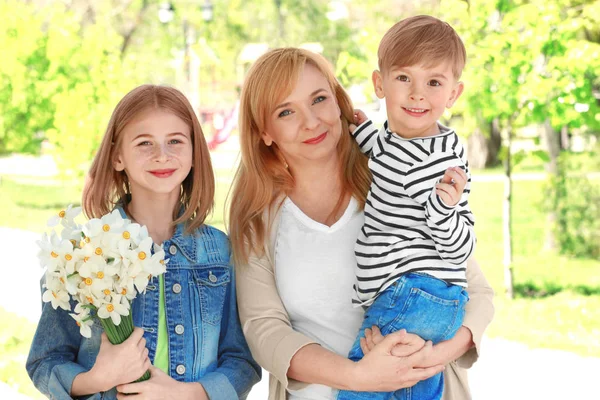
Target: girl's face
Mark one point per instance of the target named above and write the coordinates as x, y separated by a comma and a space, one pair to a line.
306, 125
155, 153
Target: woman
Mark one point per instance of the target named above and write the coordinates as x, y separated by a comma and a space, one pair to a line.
298, 199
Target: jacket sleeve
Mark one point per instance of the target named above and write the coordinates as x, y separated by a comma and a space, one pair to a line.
479, 310
264, 319
51, 363
237, 372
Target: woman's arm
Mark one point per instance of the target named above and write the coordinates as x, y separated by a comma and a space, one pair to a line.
288, 354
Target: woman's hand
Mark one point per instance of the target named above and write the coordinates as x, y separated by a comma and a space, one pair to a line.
161, 386
381, 371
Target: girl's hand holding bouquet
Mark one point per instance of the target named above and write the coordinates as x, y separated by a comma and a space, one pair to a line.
95, 270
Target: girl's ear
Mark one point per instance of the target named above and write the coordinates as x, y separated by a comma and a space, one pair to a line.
118, 164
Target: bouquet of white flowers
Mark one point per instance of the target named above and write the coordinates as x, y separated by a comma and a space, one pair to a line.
101, 266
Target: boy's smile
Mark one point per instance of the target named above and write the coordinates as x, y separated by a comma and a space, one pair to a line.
416, 97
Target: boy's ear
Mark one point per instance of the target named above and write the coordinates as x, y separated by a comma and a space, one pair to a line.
456, 92
378, 84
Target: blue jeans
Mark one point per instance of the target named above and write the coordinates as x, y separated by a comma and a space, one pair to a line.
423, 305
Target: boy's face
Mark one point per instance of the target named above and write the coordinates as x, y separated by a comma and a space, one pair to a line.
416, 97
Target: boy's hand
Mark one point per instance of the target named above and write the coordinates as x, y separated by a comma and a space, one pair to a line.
452, 185
359, 118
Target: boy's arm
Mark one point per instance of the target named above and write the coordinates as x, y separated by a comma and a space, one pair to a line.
366, 136
451, 226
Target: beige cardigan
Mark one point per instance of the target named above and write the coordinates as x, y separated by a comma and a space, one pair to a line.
273, 342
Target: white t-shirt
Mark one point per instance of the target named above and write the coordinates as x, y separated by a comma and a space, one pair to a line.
314, 271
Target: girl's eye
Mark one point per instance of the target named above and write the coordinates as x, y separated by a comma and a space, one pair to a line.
284, 113
433, 82
319, 99
144, 143
402, 78
174, 141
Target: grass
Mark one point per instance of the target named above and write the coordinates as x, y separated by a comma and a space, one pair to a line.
558, 298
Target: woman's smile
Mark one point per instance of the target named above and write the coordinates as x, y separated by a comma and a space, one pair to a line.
316, 139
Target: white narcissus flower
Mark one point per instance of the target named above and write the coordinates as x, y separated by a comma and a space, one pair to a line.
97, 279
56, 293
83, 320
106, 227
114, 309
65, 217
54, 252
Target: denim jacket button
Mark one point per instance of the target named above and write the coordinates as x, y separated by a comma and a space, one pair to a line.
180, 369
212, 278
179, 329
176, 288
173, 250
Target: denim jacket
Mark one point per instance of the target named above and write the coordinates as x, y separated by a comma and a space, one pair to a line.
206, 343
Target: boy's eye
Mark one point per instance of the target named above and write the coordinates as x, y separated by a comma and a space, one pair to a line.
284, 113
402, 78
319, 99
433, 82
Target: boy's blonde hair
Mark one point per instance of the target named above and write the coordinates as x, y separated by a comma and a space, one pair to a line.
262, 177
421, 40
106, 187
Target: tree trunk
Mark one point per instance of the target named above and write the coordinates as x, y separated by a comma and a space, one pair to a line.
483, 149
552, 142
507, 220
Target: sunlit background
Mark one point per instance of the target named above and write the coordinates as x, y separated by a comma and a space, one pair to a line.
530, 116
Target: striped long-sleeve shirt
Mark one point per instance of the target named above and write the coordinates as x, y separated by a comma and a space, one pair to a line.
408, 228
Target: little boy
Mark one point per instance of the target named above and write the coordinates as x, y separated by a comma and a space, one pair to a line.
418, 232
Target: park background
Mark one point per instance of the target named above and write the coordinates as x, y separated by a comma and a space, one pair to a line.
530, 116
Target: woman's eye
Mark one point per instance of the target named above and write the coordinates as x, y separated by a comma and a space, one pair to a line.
144, 143
402, 78
174, 141
319, 99
433, 82
284, 113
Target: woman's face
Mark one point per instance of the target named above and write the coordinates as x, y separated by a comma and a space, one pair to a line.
306, 125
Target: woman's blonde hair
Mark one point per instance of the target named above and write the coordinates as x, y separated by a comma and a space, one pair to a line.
106, 187
262, 177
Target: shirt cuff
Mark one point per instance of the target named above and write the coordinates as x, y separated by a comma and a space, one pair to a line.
217, 386
61, 379
437, 209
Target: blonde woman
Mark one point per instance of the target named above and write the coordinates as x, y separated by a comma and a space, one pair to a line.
296, 210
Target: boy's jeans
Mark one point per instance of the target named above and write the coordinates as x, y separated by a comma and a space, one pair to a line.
423, 305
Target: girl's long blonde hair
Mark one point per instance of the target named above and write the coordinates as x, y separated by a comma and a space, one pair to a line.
106, 187
262, 177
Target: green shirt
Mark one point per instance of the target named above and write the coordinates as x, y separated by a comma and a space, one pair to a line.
161, 358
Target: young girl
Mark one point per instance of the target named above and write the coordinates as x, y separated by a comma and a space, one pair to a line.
154, 166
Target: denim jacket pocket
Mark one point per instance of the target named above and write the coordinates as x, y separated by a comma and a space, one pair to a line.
210, 286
